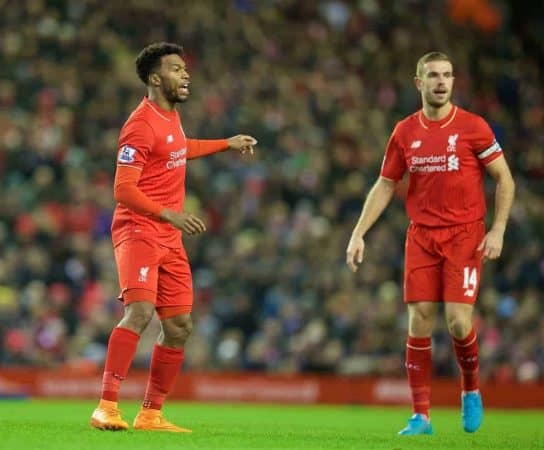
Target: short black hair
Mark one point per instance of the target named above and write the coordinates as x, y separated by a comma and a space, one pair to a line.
150, 57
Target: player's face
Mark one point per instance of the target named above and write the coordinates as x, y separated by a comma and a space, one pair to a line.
436, 83
174, 78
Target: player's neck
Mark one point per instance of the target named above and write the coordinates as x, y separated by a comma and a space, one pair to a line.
433, 113
160, 100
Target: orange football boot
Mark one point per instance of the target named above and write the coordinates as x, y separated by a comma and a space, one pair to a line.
152, 420
107, 416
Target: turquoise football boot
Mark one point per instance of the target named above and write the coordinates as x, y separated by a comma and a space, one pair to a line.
472, 411
417, 424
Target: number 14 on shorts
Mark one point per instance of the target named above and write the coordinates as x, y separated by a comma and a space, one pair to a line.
470, 280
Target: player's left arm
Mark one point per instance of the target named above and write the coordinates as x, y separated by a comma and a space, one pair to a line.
197, 148
504, 196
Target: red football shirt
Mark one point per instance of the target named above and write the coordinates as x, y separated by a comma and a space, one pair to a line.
445, 159
153, 142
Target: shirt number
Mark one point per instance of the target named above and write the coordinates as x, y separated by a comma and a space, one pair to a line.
470, 280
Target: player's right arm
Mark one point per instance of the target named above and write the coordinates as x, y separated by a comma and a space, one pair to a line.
378, 198
135, 144
127, 192
393, 168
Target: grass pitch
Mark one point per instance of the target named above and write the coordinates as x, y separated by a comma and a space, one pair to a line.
64, 425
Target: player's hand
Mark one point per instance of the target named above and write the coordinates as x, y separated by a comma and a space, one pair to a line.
491, 245
355, 252
243, 143
186, 222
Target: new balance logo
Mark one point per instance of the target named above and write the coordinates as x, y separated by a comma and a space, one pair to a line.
169, 139
453, 163
415, 144
452, 142
470, 359
143, 274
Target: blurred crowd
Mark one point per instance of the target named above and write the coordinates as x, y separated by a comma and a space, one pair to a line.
321, 85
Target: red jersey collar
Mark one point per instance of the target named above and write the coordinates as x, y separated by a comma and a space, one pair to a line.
442, 123
165, 114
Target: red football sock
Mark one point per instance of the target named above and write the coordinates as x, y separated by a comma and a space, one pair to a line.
466, 351
418, 367
165, 366
121, 349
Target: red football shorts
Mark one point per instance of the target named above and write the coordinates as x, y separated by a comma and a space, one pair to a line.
443, 264
150, 272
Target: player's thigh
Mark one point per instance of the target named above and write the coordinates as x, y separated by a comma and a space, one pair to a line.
138, 270
463, 264
175, 285
422, 267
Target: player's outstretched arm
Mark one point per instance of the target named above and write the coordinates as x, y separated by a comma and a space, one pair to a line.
491, 246
378, 198
186, 222
243, 143
197, 148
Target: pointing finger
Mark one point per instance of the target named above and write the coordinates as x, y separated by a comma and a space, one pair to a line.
250, 140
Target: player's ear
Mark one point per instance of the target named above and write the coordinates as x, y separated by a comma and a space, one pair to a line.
154, 79
417, 83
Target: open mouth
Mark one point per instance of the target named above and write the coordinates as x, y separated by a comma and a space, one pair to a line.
184, 88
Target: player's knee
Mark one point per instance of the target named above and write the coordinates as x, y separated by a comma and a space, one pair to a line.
420, 328
178, 330
137, 316
458, 326
185, 328
420, 323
